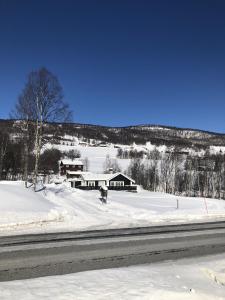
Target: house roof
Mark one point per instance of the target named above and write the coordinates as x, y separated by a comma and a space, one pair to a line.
119, 173
71, 162
91, 176
76, 172
97, 177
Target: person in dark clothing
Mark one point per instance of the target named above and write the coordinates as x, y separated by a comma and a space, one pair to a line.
104, 193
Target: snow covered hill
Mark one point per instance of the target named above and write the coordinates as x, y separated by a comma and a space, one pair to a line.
140, 134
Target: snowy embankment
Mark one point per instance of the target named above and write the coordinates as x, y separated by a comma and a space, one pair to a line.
20, 206
187, 279
61, 208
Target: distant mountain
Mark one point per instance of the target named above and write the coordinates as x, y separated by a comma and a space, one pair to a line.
139, 134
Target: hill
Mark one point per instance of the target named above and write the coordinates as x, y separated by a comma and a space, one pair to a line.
139, 134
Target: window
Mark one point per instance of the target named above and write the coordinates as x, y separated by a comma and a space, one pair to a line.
91, 183
116, 183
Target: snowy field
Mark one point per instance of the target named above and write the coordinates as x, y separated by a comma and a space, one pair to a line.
187, 279
95, 155
61, 208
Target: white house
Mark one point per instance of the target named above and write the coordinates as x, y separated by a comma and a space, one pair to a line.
117, 181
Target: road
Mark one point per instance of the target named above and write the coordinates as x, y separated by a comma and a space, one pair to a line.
30, 256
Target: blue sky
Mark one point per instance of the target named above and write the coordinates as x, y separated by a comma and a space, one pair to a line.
120, 62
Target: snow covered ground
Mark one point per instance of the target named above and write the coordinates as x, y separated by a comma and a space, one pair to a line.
187, 279
21, 206
61, 208
95, 155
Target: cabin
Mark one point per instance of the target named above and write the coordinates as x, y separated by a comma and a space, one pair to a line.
67, 165
117, 181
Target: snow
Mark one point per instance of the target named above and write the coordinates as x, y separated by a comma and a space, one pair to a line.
150, 147
102, 177
72, 162
104, 188
71, 138
75, 172
186, 279
62, 208
95, 155
19, 205
217, 149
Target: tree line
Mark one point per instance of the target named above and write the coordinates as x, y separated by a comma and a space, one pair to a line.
13, 161
198, 176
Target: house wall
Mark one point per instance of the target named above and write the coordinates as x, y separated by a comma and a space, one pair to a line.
83, 183
97, 183
73, 175
120, 177
132, 188
75, 184
65, 168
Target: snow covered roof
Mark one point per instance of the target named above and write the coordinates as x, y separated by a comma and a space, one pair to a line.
76, 172
71, 162
97, 177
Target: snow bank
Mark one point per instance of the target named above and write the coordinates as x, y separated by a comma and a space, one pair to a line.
15, 198
184, 279
22, 206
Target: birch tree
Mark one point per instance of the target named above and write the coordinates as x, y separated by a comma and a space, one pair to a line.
24, 112
4, 140
42, 102
110, 165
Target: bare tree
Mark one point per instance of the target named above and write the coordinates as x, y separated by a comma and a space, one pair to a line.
24, 112
86, 164
111, 165
135, 170
4, 140
72, 154
41, 102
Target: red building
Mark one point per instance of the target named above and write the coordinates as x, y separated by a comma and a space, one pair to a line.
70, 165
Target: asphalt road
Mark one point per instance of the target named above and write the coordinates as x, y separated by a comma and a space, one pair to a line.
29, 256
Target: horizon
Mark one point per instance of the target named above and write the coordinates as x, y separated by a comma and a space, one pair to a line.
122, 62
126, 126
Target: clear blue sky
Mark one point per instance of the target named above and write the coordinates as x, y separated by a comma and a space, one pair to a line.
120, 62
